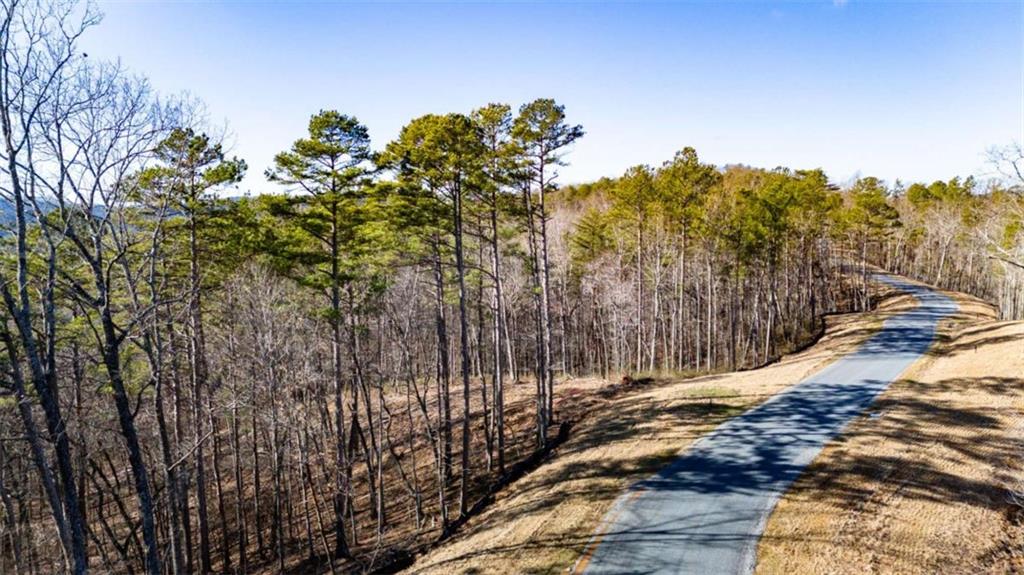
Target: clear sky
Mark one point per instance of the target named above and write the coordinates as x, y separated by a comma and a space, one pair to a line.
913, 90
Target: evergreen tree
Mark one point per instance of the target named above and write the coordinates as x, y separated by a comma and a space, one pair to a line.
331, 166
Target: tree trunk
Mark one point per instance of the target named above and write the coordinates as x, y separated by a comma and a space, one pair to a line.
125, 415
460, 268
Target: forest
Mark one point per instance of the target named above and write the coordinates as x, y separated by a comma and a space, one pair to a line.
334, 373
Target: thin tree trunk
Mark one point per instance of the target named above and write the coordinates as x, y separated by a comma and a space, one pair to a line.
460, 268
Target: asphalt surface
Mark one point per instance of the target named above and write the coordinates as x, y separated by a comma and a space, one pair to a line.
705, 512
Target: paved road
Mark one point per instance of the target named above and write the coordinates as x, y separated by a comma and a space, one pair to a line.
704, 513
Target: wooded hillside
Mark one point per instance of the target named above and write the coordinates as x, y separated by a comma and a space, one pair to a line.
333, 372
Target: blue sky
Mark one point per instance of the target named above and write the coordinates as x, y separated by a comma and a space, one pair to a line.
913, 90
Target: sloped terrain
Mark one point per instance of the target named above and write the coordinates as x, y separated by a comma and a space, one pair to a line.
543, 522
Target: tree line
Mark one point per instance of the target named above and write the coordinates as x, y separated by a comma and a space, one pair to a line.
964, 235
332, 374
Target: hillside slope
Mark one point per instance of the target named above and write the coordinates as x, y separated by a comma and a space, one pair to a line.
543, 522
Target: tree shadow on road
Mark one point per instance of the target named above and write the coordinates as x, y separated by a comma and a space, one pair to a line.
847, 481
929, 453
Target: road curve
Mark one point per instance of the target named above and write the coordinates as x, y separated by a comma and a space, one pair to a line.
704, 513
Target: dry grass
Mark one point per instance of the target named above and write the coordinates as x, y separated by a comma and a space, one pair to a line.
921, 484
542, 523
